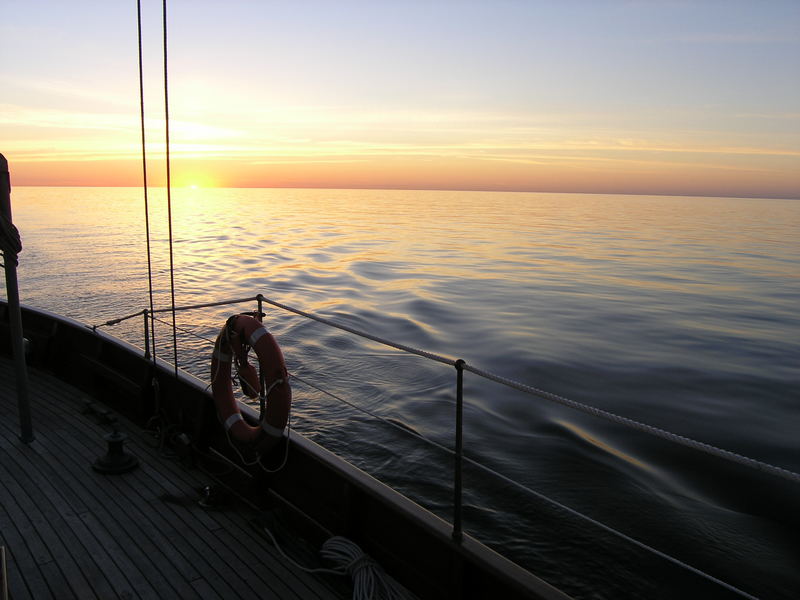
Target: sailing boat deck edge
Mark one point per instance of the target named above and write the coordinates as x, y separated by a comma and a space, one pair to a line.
318, 492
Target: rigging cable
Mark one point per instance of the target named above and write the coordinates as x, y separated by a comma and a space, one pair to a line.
144, 176
169, 192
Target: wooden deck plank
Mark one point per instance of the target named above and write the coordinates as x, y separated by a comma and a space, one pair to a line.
151, 484
124, 558
150, 489
250, 541
66, 552
58, 586
144, 538
122, 487
204, 590
73, 533
223, 590
117, 522
95, 552
15, 581
19, 560
35, 546
177, 482
123, 518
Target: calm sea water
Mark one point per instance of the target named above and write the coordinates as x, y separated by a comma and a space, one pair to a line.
678, 312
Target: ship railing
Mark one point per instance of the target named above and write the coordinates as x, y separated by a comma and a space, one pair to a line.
457, 451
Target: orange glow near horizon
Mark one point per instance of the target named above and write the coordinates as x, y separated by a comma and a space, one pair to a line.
562, 173
631, 99
406, 150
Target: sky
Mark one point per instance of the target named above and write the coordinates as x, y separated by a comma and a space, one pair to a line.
642, 97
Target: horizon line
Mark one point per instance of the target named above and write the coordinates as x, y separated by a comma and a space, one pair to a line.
424, 189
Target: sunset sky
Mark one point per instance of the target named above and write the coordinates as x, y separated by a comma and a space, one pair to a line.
647, 97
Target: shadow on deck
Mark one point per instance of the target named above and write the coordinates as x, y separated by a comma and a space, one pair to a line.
70, 532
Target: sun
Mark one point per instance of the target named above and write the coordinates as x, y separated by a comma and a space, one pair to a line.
196, 179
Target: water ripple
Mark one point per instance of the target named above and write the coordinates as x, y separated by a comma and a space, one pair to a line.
679, 312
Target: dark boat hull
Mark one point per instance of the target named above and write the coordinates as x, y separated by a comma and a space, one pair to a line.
320, 493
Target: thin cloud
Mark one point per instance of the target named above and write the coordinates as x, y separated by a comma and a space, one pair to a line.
740, 38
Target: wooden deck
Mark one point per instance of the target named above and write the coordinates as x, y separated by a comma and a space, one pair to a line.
70, 532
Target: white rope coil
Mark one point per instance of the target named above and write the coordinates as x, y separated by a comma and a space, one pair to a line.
370, 581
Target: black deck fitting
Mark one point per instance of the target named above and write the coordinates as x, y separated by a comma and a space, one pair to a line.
116, 460
213, 498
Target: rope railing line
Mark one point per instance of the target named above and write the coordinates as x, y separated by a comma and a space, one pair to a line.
607, 528
119, 320
633, 424
369, 336
209, 304
526, 389
546, 499
384, 420
186, 331
625, 421
609, 416
177, 309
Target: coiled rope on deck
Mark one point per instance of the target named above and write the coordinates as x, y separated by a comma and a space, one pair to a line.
370, 581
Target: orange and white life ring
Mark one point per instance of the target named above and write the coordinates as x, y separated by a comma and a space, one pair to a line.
241, 333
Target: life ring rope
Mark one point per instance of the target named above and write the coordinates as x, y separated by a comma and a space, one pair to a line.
237, 337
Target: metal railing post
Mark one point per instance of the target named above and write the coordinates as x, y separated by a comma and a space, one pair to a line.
146, 313
262, 378
10, 247
459, 451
